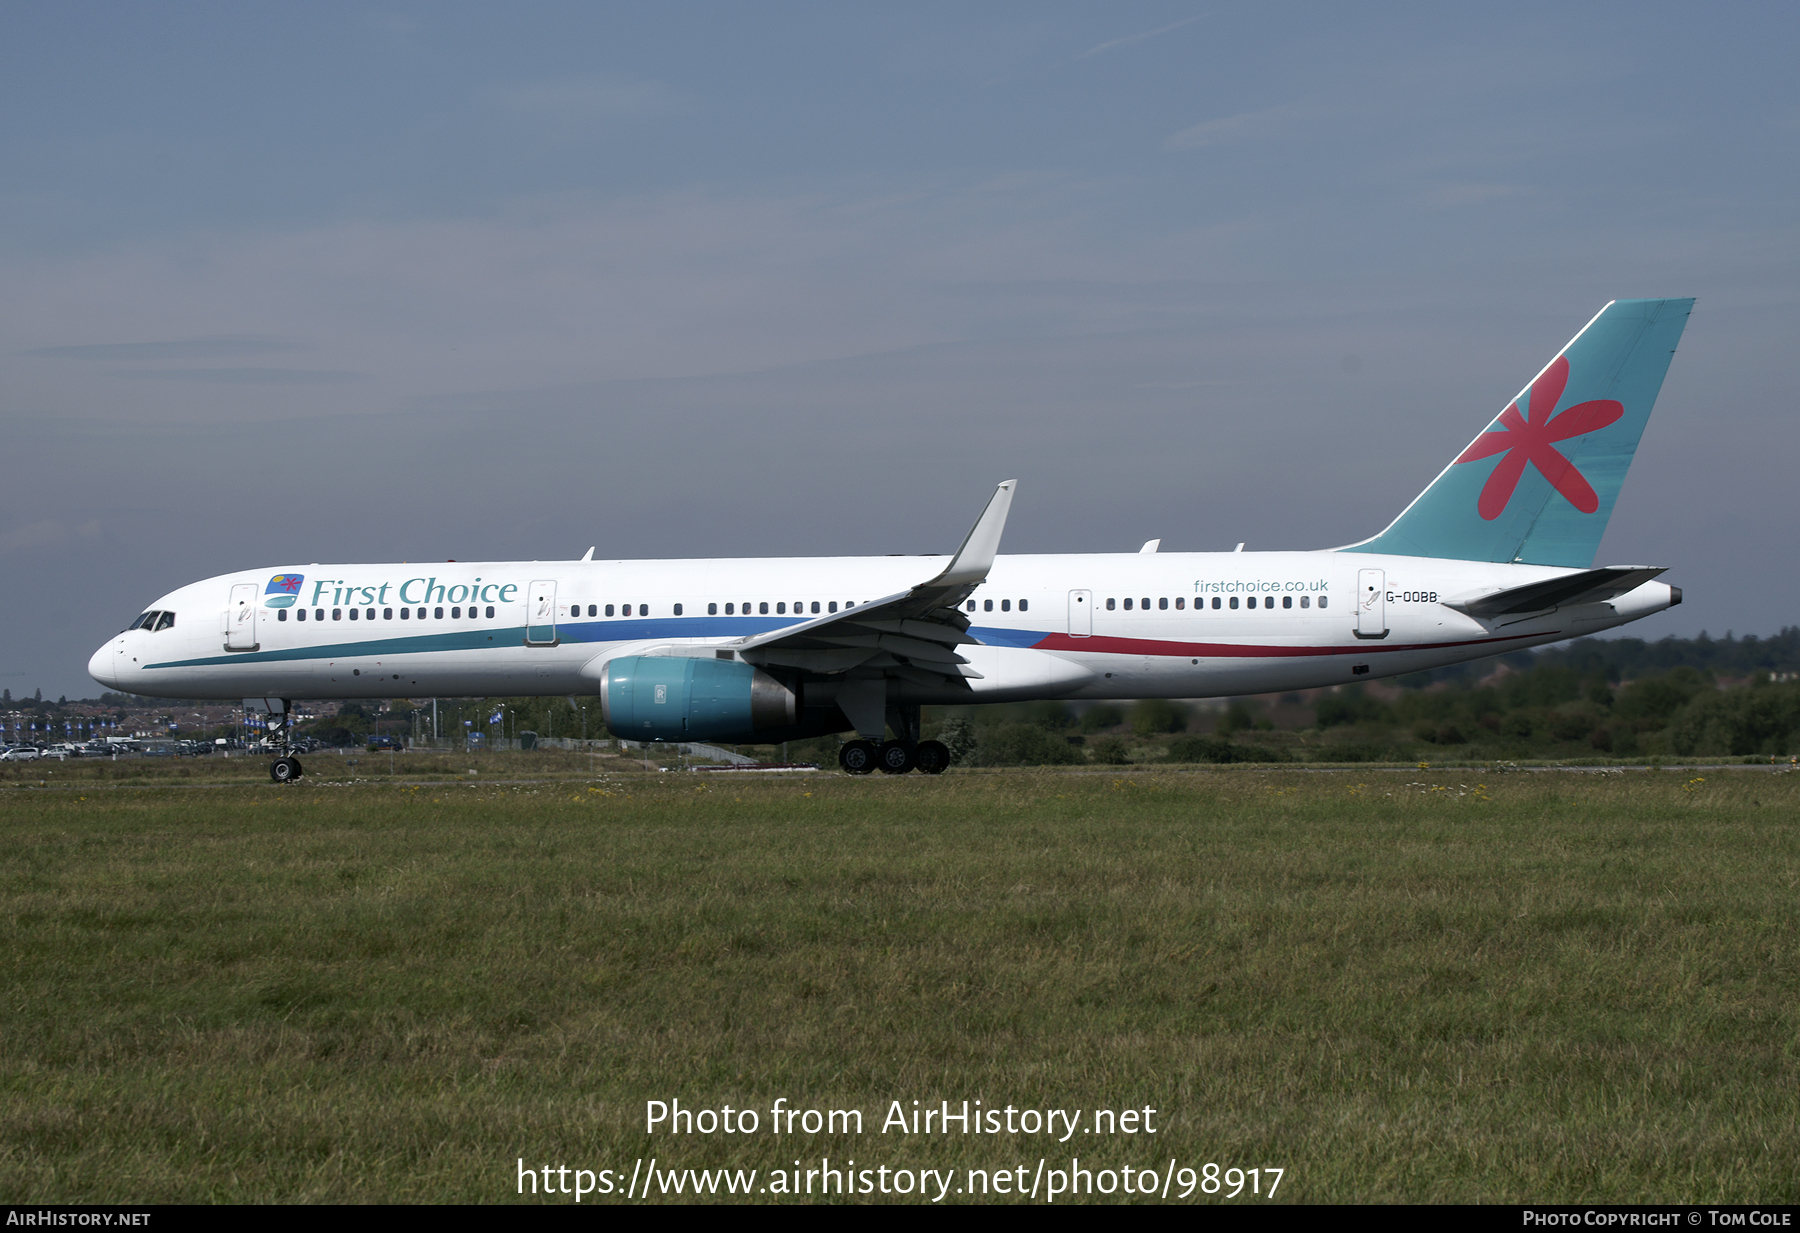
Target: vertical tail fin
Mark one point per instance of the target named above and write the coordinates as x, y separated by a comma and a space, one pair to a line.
1539, 483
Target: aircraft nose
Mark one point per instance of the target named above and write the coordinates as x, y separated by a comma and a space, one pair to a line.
101, 666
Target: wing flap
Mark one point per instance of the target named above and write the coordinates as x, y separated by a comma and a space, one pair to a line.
910, 635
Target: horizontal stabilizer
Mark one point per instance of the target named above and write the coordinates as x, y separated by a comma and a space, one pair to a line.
1587, 587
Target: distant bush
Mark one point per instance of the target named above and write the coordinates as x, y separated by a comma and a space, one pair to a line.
1237, 718
1219, 749
1020, 744
1050, 715
1100, 716
1157, 715
958, 736
1742, 721
1359, 753
1111, 751
1348, 704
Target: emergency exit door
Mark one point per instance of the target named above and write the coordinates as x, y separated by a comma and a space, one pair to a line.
1081, 614
1371, 603
240, 618
540, 614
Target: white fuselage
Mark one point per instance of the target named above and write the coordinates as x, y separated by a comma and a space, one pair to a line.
1179, 625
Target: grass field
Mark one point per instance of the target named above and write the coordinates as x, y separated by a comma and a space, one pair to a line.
1419, 985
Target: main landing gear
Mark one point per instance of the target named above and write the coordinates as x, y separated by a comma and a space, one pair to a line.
286, 767
904, 753
860, 757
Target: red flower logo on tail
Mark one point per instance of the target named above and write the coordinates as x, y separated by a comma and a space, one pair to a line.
1532, 440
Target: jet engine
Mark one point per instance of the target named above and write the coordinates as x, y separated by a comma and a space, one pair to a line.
666, 698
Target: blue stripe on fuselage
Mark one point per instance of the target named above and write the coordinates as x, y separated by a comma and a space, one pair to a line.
633, 630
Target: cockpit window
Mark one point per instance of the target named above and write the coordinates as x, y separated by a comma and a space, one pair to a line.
146, 621
165, 621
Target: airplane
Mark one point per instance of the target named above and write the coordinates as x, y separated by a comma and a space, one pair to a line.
1496, 554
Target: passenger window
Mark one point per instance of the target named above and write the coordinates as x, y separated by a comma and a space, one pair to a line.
971, 605
712, 610
1268, 601
1006, 605
318, 614
987, 605
833, 605
730, 609
281, 614
1024, 604
1216, 602
677, 609
815, 605
1109, 605
1324, 600
490, 613
1162, 604
456, 614
299, 614
387, 614
1128, 604
780, 609
337, 614
1180, 602
421, 614
609, 610
1306, 601
1146, 603
763, 608
1233, 601
593, 610
1287, 601
437, 613
405, 614
352, 614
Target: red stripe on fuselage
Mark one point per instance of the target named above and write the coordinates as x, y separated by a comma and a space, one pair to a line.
1097, 645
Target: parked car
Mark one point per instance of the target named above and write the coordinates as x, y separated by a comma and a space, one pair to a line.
19, 753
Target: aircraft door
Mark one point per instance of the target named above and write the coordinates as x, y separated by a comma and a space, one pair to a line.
1371, 603
240, 618
540, 614
1081, 614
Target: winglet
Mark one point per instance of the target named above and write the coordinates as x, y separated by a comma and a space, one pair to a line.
590, 554
976, 556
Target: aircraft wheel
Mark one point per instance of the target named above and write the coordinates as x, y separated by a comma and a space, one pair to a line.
933, 757
284, 770
898, 757
857, 757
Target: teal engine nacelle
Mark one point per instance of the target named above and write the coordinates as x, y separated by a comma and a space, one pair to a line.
663, 698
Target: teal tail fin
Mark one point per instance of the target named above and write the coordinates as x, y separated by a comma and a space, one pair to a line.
1539, 483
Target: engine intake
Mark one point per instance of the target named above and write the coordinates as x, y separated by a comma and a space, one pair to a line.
664, 698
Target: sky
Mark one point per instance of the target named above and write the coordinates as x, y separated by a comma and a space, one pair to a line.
283, 284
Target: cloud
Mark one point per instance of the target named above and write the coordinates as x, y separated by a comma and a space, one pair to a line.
47, 533
1452, 195
222, 347
1250, 126
573, 106
1137, 38
241, 376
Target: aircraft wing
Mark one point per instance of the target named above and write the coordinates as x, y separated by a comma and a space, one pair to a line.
1587, 587
911, 635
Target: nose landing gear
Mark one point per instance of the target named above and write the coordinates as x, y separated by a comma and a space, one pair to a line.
280, 728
